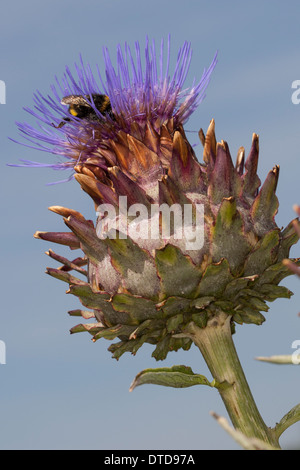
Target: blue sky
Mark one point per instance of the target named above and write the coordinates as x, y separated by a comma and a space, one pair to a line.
64, 392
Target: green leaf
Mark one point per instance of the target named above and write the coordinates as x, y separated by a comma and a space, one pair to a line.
176, 376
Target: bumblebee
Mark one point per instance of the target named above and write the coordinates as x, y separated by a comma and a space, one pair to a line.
79, 106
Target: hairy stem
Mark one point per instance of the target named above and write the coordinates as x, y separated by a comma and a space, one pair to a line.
217, 347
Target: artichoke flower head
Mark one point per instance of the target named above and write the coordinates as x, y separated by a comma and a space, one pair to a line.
175, 241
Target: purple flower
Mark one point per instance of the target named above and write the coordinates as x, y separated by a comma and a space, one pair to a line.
139, 95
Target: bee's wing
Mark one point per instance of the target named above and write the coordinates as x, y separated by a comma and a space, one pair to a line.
75, 99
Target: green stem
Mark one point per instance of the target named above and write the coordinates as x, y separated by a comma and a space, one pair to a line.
217, 347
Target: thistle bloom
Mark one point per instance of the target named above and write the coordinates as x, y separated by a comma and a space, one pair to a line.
158, 290
144, 99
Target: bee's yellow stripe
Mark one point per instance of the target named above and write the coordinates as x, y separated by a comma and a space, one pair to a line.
73, 111
105, 104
